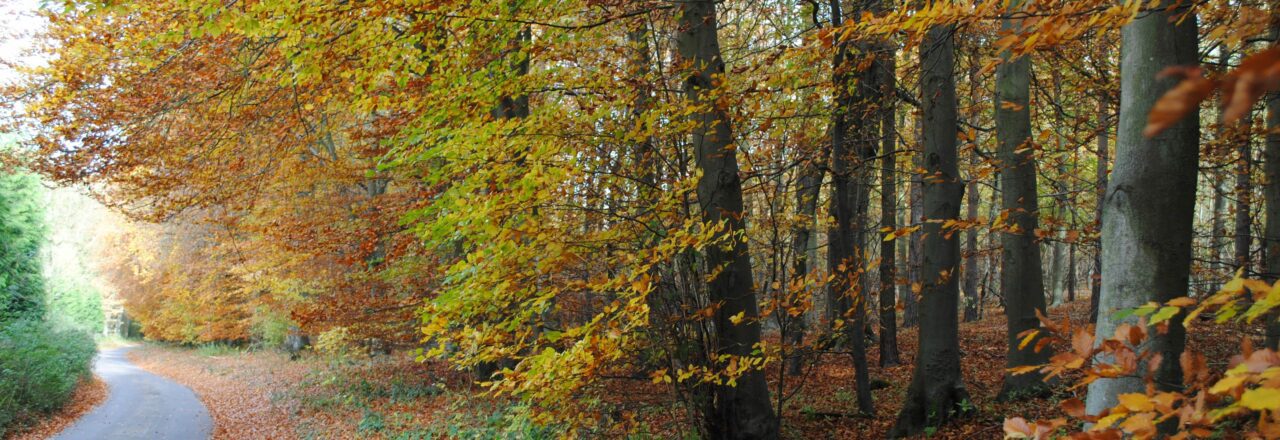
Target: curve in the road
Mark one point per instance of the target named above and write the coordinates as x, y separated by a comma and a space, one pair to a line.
140, 405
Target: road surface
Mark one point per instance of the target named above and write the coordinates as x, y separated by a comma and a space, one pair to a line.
140, 405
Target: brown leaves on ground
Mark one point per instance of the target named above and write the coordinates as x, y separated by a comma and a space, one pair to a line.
237, 389
85, 398
264, 395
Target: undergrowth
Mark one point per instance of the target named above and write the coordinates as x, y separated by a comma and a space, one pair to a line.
40, 366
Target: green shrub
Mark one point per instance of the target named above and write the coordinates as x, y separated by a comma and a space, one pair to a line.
269, 328
40, 367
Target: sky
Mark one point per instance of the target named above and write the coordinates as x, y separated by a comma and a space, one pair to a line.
17, 22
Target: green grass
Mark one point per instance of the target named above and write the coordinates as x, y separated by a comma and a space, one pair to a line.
217, 349
350, 389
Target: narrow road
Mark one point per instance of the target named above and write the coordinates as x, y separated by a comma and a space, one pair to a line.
140, 405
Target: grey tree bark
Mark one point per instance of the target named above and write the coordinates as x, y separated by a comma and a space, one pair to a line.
1215, 236
1104, 156
1244, 203
1058, 256
971, 270
1271, 193
936, 393
1021, 275
910, 298
743, 411
888, 213
808, 188
1219, 202
1149, 206
973, 199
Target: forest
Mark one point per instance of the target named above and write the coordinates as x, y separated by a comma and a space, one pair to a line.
720, 219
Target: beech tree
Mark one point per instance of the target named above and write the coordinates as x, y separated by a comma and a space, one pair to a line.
888, 209
1148, 208
1021, 275
742, 410
937, 393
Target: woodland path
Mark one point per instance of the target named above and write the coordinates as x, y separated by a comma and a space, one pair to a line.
140, 405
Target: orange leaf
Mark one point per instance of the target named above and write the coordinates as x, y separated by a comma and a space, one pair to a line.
1180, 100
1018, 427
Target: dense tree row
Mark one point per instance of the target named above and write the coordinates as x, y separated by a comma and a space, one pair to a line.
555, 194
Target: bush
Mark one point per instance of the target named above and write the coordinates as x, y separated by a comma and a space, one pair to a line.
336, 343
40, 367
269, 329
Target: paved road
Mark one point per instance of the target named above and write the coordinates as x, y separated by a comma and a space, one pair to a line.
140, 405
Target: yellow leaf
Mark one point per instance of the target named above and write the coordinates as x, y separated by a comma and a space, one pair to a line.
1227, 384
1136, 402
735, 319
1031, 335
1259, 399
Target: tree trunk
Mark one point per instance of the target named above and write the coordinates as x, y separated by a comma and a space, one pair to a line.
1149, 207
742, 411
989, 285
1219, 202
1271, 168
1058, 256
1021, 275
849, 141
971, 250
973, 200
1215, 236
910, 296
1104, 122
1244, 203
888, 213
937, 393
809, 185
1071, 272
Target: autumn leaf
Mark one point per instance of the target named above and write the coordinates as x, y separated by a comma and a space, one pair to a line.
1017, 427
1259, 399
1073, 407
1135, 402
1180, 100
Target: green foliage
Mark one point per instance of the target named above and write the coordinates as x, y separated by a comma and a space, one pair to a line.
40, 366
73, 301
41, 362
21, 236
217, 349
371, 422
498, 421
269, 328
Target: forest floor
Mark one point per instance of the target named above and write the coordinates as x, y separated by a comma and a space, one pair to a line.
262, 394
